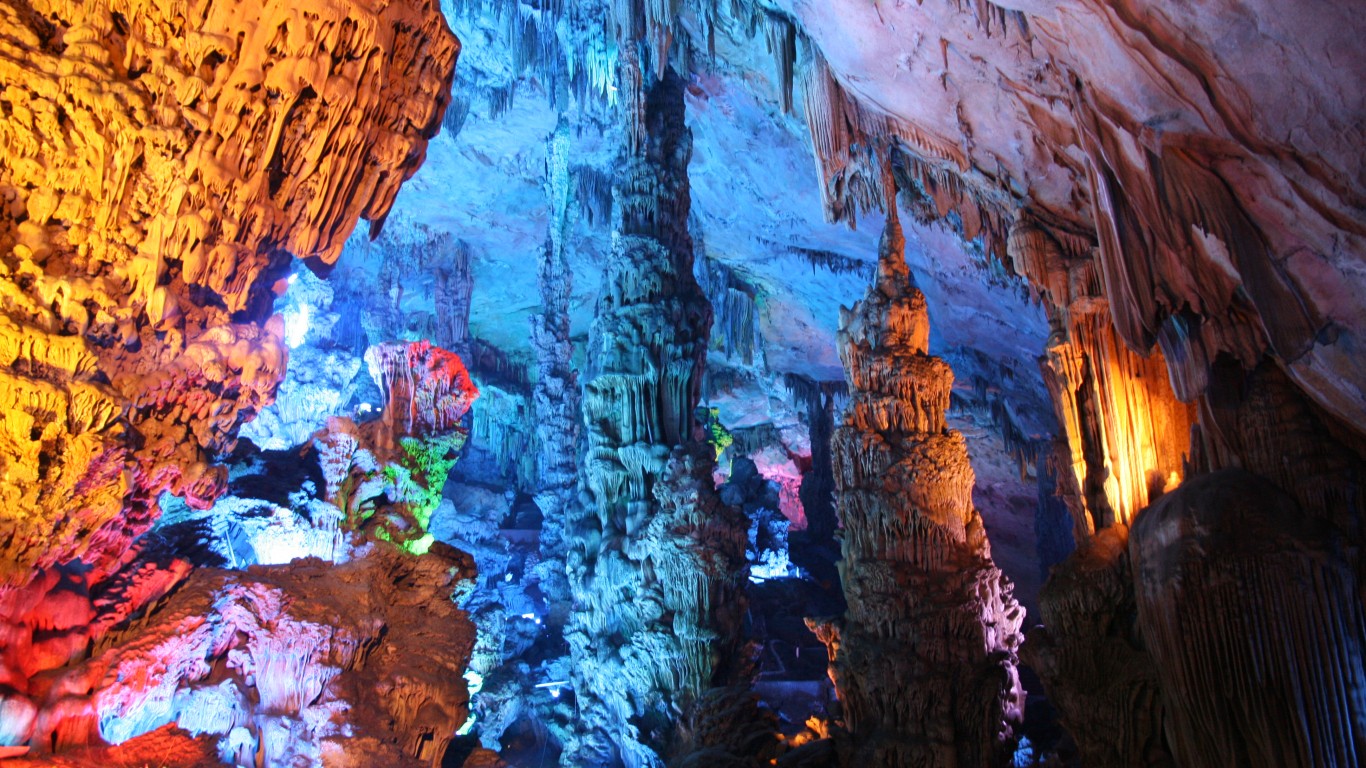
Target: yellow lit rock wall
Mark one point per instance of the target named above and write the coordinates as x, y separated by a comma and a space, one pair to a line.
159, 164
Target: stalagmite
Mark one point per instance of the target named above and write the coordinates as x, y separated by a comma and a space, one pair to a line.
1092, 658
656, 562
555, 398
924, 657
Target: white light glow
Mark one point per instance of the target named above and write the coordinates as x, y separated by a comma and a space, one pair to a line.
296, 326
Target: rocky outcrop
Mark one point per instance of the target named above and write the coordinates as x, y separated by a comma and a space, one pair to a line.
1254, 620
296, 664
655, 562
151, 198
1194, 249
248, 658
924, 658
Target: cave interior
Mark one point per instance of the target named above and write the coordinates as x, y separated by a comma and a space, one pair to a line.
813, 384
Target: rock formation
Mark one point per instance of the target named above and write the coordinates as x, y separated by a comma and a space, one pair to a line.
924, 658
388, 474
556, 395
270, 662
1091, 654
1254, 621
162, 163
1221, 228
820, 403
151, 202
1163, 200
1194, 252
656, 562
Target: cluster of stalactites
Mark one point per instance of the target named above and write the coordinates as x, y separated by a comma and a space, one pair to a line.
736, 326
1128, 433
566, 46
426, 389
918, 577
452, 293
155, 184
855, 147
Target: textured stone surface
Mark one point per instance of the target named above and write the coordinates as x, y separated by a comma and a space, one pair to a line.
1179, 187
924, 658
1212, 153
1253, 618
281, 657
656, 562
162, 162
1092, 658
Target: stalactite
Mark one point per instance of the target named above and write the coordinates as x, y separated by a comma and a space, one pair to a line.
839, 143
844, 133
500, 100
451, 296
994, 19
426, 389
819, 401
781, 36
928, 611
593, 192
1128, 433
929, 177
453, 122
504, 428
736, 323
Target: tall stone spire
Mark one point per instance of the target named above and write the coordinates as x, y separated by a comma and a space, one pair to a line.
656, 563
924, 659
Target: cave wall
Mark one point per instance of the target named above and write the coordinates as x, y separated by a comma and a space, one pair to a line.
1181, 189
1170, 139
162, 164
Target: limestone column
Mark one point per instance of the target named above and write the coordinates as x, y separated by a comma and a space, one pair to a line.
924, 659
656, 563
